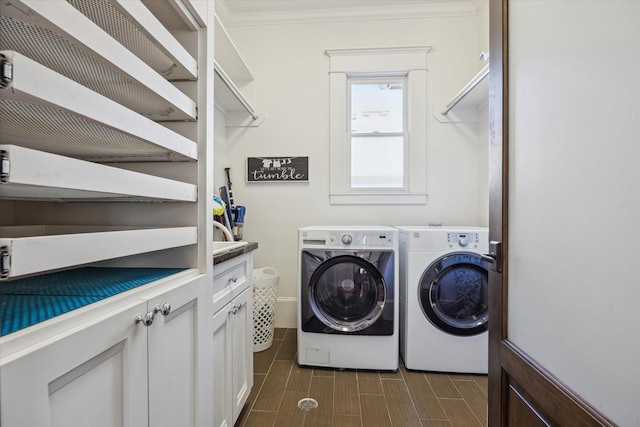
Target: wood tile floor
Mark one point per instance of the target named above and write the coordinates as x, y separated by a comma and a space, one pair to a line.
350, 398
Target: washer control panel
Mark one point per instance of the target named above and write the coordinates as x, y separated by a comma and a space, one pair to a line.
358, 239
463, 240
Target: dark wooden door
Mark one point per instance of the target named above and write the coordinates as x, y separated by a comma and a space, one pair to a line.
521, 392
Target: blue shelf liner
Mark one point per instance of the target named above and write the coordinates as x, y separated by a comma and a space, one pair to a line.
25, 302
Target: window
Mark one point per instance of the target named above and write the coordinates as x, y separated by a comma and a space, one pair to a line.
378, 125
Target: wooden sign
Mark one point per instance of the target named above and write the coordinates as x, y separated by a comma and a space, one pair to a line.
277, 169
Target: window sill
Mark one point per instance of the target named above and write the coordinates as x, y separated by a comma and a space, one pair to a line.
378, 198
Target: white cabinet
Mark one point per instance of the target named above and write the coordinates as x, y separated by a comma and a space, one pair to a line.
232, 359
230, 278
242, 350
179, 343
232, 340
93, 375
114, 370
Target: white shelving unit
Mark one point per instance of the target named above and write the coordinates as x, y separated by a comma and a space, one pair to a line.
45, 110
153, 43
44, 248
92, 82
59, 178
232, 78
60, 37
106, 130
463, 106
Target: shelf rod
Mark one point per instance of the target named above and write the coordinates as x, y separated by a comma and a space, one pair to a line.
475, 81
234, 90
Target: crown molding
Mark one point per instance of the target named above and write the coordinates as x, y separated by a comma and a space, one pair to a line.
379, 51
424, 10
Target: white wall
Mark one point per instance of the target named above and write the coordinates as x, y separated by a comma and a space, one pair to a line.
483, 166
574, 196
483, 125
292, 88
483, 30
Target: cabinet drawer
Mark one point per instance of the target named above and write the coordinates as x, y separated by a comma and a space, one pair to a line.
230, 278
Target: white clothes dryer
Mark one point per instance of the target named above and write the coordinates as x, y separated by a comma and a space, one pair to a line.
347, 298
444, 299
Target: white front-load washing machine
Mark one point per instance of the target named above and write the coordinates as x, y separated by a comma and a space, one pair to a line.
347, 297
444, 298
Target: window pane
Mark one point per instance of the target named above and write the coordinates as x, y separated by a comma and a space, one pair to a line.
376, 107
377, 162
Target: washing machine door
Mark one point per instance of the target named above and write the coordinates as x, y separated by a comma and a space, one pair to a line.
453, 293
347, 293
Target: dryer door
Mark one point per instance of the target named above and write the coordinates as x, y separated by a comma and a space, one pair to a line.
347, 293
453, 293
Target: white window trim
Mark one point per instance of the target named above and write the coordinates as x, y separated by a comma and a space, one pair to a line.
408, 61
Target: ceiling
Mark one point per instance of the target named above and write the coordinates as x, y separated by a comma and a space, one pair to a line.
255, 12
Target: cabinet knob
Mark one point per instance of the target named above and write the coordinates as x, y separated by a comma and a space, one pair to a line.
164, 310
233, 279
146, 320
235, 309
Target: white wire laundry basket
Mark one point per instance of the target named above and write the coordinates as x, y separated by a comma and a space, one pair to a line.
265, 296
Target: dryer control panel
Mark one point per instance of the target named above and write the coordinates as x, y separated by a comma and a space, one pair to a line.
348, 238
359, 239
463, 240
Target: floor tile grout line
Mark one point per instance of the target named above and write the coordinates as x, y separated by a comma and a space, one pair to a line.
275, 354
263, 383
413, 403
467, 403
308, 392
359, 402
386, 404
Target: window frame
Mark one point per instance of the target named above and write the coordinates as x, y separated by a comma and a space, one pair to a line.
410, 62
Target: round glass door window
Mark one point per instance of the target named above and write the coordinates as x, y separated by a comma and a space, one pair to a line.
347, 293
453, 293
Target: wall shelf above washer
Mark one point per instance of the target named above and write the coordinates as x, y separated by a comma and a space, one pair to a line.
232, 77
464, 105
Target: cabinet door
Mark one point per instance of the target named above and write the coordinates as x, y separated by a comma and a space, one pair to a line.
176, 379
232, 359
242, 345
92, 375
222, 365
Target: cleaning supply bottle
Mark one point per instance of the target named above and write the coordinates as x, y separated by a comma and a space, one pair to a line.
218, 206
238, 225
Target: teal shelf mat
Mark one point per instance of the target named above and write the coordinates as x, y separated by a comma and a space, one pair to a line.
25, 302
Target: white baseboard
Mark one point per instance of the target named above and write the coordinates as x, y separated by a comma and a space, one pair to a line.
286, 312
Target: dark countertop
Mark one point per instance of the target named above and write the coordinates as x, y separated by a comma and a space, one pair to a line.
226, 256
